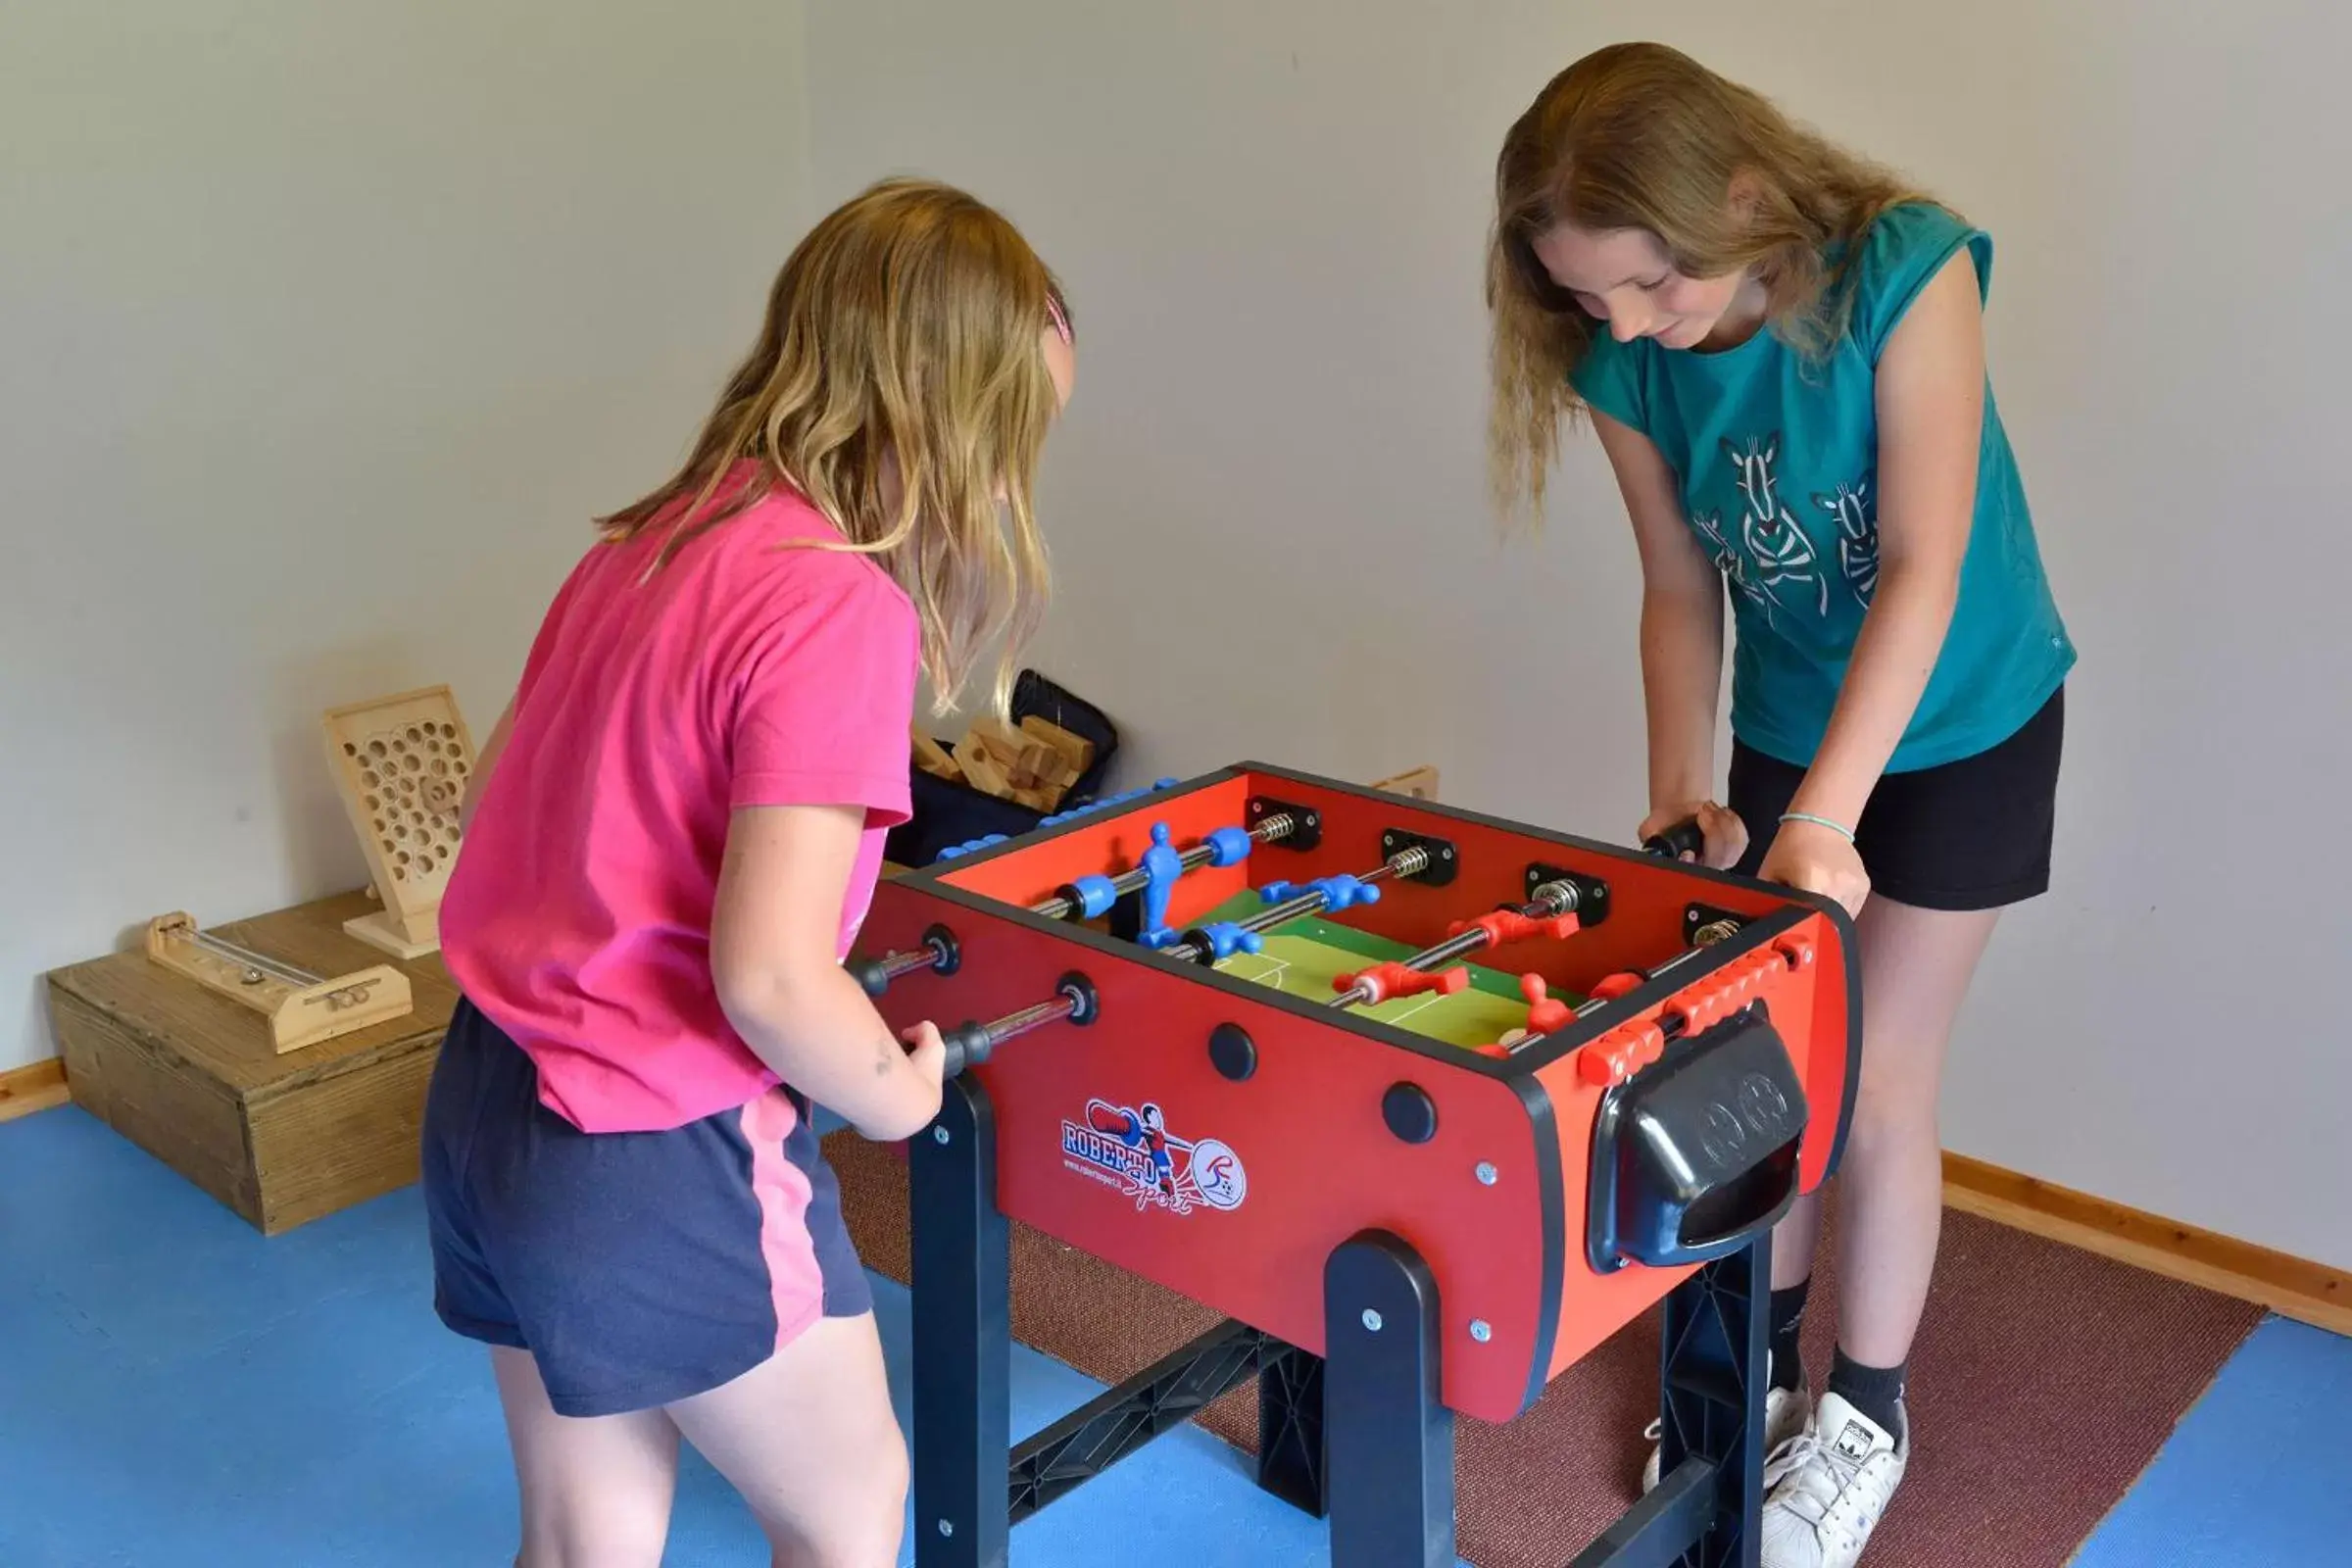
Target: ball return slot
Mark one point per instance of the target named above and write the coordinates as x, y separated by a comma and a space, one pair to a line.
1697, 1153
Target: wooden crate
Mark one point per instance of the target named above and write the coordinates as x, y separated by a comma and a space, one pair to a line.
191, 1077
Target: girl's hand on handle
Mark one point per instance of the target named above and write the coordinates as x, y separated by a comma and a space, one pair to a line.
929, 1059
775, 965
1726, 835
1814, 858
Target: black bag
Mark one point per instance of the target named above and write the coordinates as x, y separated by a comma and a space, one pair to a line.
948, 814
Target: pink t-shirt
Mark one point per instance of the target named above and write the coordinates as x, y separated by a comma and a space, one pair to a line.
744, 672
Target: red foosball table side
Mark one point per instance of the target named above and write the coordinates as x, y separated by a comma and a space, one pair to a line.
1221, 1139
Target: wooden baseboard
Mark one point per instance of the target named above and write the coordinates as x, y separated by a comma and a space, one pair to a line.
36, 1087
2291, 1287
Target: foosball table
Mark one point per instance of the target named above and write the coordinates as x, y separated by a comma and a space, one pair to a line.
1426, 1105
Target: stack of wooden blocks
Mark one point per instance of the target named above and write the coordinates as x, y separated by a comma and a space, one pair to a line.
1033, 765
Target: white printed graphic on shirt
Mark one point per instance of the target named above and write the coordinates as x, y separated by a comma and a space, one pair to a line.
1730, 562
1781, 552
1857, 536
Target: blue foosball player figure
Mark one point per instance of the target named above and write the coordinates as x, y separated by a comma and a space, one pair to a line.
1162, 865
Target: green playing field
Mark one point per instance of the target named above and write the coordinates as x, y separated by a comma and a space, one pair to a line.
1303, 957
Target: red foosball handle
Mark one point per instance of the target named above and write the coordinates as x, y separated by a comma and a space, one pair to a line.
1615, 986
1387, 981
1509, 925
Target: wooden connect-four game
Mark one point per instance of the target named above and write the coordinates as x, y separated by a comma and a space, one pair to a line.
401, 764
1426, 1105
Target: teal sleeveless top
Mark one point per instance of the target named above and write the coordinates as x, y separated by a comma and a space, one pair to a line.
1776, 461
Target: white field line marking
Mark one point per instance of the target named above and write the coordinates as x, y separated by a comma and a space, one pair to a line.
1399, 1017
1270, 975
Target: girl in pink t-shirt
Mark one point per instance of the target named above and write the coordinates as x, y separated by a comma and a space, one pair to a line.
670, 843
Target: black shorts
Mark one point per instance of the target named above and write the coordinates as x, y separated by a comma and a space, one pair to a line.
1973, 833
638, 1268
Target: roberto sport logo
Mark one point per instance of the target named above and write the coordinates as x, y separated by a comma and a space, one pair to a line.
1133, 1150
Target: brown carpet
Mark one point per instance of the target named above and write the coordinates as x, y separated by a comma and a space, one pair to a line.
2044, 1378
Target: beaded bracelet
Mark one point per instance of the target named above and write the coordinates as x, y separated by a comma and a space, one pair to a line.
1838, 828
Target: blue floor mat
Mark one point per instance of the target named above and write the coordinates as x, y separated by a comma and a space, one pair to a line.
180, 1391
2258, 1474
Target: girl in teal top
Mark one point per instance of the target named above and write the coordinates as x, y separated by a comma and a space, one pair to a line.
1781, 350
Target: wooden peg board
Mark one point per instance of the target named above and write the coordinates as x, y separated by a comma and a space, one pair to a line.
301, 1008
401, 764
1420, 783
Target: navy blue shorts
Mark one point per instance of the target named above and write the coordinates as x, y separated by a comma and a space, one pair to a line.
637, 1268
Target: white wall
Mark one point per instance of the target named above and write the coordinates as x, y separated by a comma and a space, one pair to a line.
1266, 502
324, 329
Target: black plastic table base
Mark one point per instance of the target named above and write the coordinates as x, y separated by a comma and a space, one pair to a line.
1115, 1423
1389, 1436
1714, 1359
1659, 1531
1291, 1455
971, 1482
1359, 1435
961, 1277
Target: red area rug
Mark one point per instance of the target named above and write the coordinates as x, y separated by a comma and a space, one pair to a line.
2044, 1378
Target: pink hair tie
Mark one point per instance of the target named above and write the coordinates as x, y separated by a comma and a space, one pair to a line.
1061, 323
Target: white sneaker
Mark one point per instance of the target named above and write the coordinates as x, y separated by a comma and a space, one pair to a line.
1788, 1413
1827, 1492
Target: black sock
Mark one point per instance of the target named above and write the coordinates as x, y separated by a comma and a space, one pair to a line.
1787, 1318
1875, 1390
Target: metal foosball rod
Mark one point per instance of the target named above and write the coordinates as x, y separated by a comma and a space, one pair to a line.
1287, 904
1093, 896
1549, 913
1546, 1017
971, 1043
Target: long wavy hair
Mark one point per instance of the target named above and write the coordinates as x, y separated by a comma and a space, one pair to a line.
1642, 136
898, 385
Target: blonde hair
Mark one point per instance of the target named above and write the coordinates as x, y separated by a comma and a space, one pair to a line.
1640, 137
902, 332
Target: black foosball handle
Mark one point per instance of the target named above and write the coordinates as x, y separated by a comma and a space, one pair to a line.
968, 1046
1685, 837
938, 954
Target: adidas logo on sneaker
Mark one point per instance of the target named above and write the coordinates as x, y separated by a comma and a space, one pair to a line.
1854, 1442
